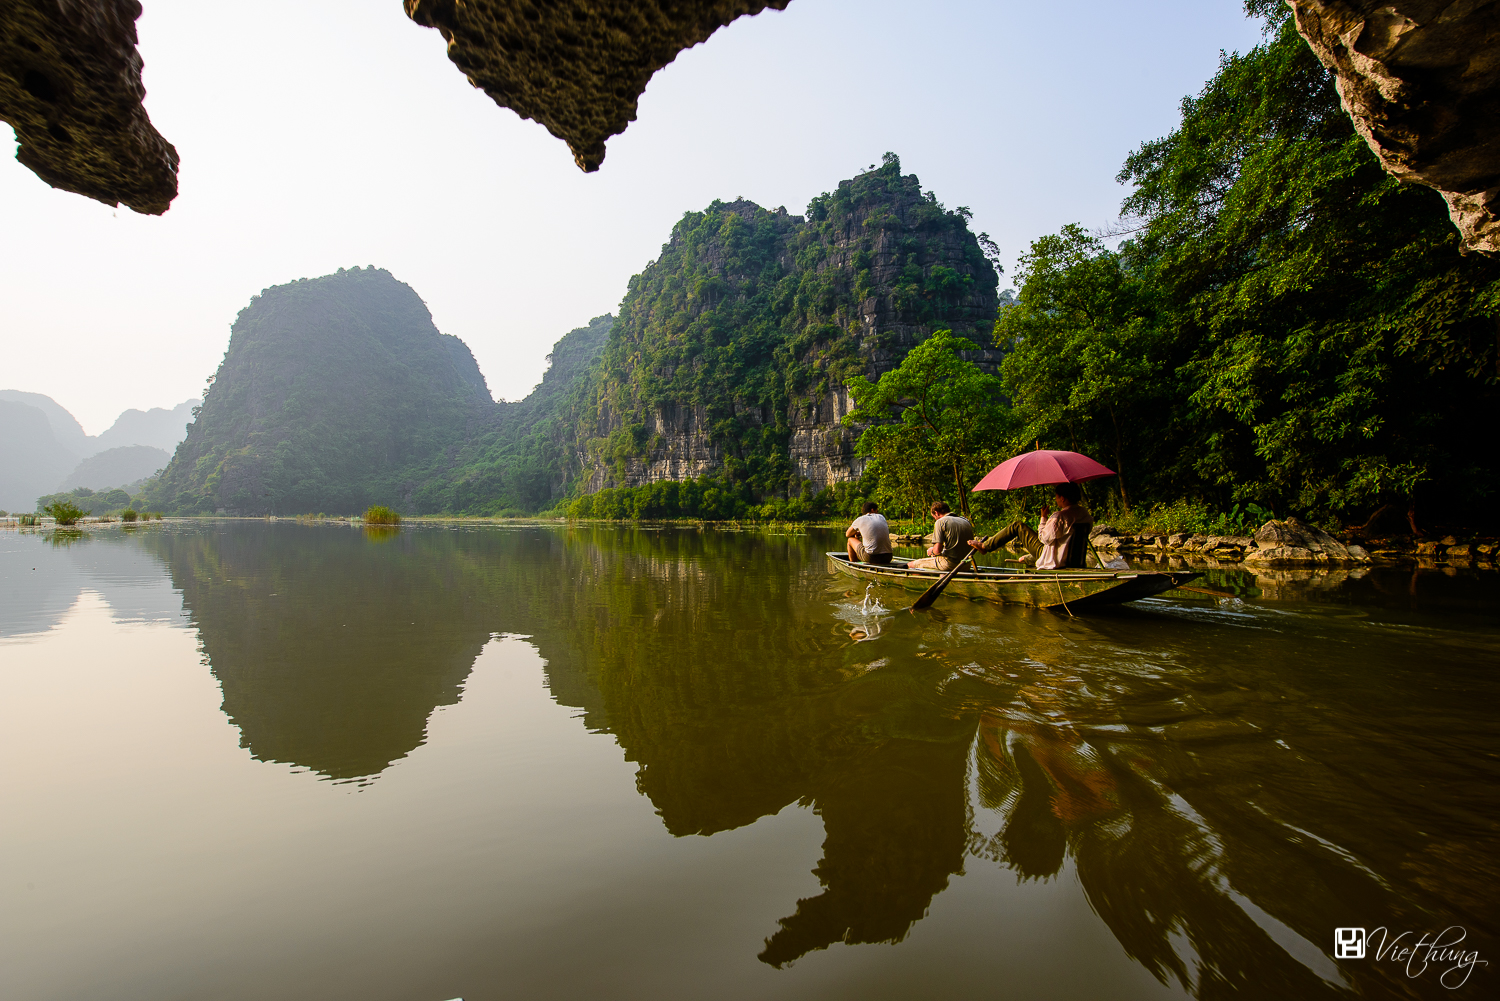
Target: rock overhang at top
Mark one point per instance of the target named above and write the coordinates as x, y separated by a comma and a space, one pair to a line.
577, 67
1421, 80
70, 87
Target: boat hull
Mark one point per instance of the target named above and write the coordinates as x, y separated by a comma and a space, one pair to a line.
1070, 589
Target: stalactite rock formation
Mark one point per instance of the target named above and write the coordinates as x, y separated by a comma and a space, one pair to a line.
577, 67
1421, 79
70, 86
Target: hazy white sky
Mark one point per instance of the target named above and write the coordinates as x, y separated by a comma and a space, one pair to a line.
320, 134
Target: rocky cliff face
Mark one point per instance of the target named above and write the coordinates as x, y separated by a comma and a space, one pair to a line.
1421, 80
732, 348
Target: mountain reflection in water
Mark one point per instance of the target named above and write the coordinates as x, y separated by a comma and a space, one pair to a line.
1226, 786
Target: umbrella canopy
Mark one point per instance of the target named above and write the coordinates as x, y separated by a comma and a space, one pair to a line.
1030, 469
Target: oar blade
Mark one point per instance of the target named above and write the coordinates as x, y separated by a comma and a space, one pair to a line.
931, 594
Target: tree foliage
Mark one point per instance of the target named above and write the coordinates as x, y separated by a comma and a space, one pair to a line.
750, 313
935, 417
335, 393
1289, 325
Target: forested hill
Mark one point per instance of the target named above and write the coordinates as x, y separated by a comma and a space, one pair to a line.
523, 460
335, 393
729, 358
732, 348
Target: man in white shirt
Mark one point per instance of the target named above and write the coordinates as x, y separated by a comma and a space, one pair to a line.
869, 538
1049, 543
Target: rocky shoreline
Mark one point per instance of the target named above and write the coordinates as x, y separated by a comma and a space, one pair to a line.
1283, 543
1293, 543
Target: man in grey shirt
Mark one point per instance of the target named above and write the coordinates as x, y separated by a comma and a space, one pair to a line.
951, 535
869, 537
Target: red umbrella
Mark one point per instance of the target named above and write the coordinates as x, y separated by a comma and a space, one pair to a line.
1030, 469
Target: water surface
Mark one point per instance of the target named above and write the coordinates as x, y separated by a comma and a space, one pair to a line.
248, 760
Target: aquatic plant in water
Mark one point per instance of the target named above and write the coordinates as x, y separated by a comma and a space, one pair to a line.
65, 512
379, 514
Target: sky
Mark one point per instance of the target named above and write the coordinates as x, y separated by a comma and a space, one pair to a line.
319, 134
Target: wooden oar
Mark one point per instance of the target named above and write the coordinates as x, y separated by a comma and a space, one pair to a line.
1204, 590
931, 594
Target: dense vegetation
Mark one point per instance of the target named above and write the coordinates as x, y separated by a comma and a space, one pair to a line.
1284, 329
1287, 329
64, 512
92, 502
335, 393
749, 312
524, 458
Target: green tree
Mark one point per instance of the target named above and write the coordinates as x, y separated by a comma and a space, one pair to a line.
936, 415
1288, 326
1084, 361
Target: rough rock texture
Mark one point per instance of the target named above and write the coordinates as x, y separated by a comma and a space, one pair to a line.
821, 447
1421, 79
865, 258
576, 66
1294, 541
70, 85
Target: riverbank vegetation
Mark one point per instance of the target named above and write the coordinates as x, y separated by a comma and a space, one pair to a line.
1286, 328
1276, 327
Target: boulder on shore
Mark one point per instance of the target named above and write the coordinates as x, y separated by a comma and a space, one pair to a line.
1295, 541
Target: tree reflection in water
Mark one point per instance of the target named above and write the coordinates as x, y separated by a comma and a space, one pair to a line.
1204, 781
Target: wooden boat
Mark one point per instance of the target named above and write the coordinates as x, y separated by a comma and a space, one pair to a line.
1073, 589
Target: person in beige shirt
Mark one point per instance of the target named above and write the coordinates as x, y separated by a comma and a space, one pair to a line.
1049, 543
951, 535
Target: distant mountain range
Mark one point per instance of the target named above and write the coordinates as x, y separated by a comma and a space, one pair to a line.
44, 449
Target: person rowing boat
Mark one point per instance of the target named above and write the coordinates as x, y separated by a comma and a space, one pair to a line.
1060, 541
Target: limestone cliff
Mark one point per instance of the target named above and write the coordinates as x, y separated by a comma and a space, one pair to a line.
1421, 80
732, 348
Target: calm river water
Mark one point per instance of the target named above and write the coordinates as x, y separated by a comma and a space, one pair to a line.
247, 760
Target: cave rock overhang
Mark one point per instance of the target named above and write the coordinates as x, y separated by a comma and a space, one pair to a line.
1418, 77
1421, 80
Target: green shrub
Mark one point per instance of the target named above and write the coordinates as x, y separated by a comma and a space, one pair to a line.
128, 515
379, 514
28, 519
65, 512
1184, 516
